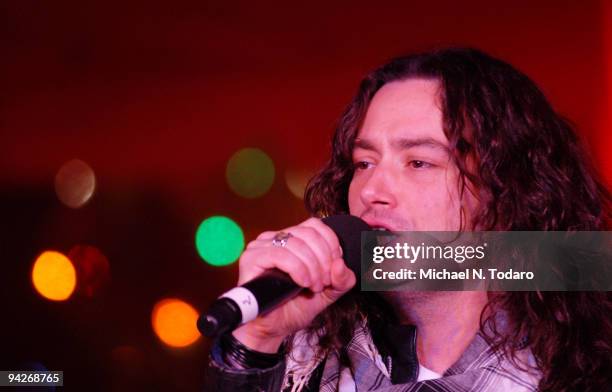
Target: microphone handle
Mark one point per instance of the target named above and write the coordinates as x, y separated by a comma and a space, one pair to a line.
244, 303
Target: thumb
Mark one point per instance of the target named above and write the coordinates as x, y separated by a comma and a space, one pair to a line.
342, 280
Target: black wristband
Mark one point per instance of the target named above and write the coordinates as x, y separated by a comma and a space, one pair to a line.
237, 354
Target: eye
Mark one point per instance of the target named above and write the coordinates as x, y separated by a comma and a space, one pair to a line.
362, 165
416, 164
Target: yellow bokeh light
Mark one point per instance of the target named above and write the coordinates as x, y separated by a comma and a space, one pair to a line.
297, 179
250, 173
174, 322
54, 276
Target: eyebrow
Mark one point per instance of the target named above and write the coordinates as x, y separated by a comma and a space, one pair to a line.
402, 144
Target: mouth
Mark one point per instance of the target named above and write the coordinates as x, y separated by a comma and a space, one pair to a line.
378, 225
382, 236
379, 229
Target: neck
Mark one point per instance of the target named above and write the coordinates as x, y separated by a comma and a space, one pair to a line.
446, 322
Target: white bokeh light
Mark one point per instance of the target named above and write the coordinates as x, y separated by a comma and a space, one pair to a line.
75, 183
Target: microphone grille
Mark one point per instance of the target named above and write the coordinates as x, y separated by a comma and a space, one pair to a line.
348, 228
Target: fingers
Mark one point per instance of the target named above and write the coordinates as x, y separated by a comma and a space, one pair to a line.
342, 280
313, 244
327, 234
310, 245
299, 248
267, 235
312, 257
256, 260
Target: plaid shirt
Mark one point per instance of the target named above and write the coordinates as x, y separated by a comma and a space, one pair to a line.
479, 369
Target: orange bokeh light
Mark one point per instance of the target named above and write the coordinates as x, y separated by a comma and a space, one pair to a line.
54, 276
174, 322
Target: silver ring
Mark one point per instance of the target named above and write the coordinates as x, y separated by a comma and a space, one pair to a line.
281, 238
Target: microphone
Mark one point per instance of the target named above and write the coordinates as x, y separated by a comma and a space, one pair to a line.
265, 292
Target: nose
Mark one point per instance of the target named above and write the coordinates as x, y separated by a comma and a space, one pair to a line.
377, 189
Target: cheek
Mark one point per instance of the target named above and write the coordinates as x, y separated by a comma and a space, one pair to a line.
431, 209
443, 202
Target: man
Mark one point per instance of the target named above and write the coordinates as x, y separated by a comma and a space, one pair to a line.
446, 140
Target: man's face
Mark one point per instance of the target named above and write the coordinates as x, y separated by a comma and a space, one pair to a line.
404, 178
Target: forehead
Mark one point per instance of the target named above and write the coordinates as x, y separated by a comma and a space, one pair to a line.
404, 109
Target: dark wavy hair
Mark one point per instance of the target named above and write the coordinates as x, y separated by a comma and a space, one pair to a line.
531, 173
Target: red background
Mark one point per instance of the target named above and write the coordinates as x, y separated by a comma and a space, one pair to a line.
157, 96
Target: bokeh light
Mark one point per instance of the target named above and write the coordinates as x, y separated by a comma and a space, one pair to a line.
92, 267
250, 172
75, 183
219, 240
174, 322
54, 276
296, 180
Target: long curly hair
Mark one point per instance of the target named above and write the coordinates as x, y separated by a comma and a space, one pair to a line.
532, 174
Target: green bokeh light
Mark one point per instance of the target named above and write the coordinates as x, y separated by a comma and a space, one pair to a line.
250, 172
219, 240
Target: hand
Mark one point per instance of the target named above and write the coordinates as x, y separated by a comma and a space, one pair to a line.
313, 259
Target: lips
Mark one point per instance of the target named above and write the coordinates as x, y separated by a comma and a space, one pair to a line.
384, 232
378, 225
